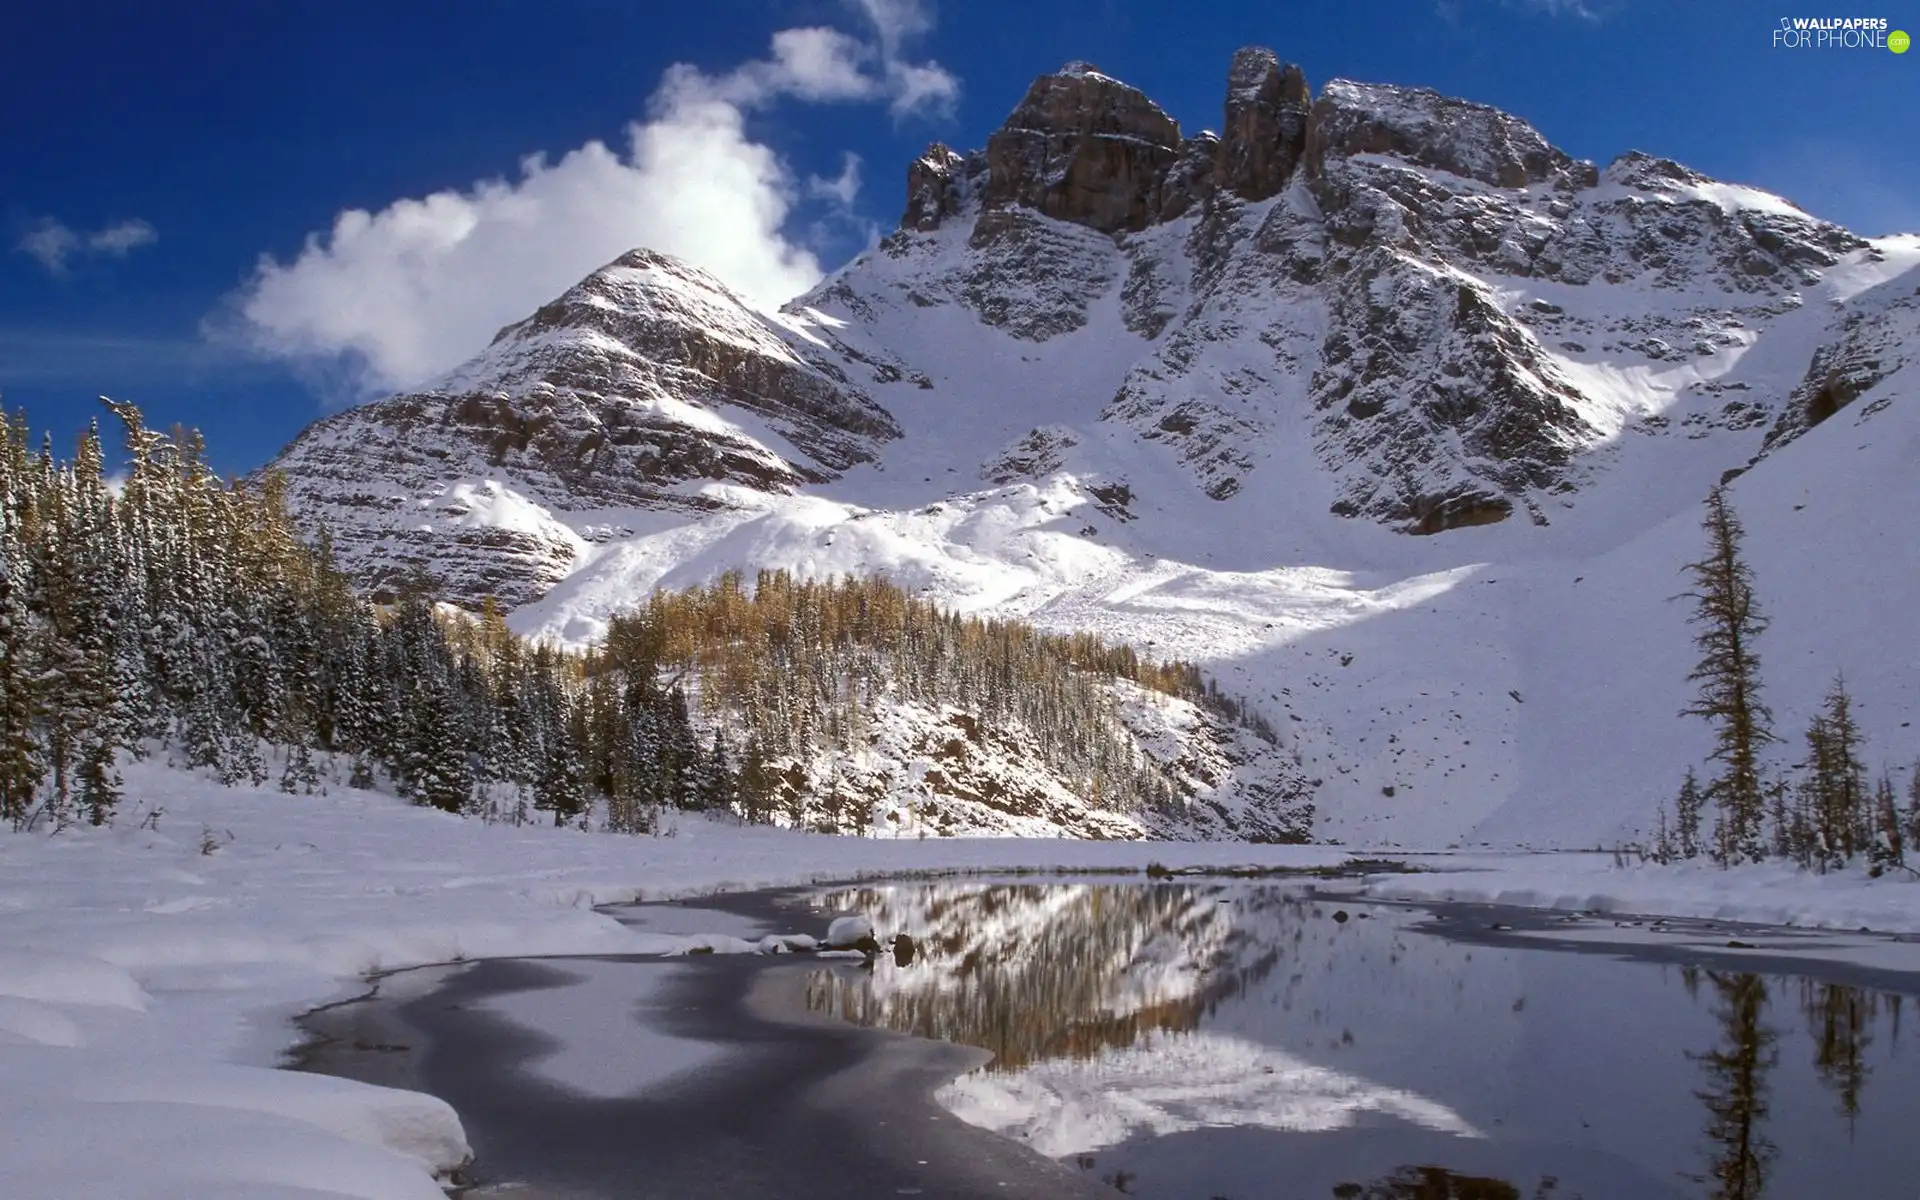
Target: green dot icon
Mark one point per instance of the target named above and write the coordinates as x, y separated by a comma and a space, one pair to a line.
1898, 41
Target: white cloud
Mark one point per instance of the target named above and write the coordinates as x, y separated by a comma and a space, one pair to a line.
844, 188
895, 21
117, 240
53, 244
410, 291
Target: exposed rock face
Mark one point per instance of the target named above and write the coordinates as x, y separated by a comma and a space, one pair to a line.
1266, 124
1189, 180
1424, 128
1085, 148
641, 384
1449, 407
939, 183
1878, 341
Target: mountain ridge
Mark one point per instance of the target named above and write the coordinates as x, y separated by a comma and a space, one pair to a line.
1197, 392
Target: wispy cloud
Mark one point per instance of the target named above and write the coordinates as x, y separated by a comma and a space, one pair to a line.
394, 297
1560, 8
844, 188
1591, 11
53, 244
63, 357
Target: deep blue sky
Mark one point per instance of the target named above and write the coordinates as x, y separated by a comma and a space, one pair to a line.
235, 128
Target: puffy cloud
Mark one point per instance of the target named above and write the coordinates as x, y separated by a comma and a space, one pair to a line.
53, 244
403, 294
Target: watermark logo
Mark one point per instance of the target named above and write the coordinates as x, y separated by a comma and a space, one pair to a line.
1840, 33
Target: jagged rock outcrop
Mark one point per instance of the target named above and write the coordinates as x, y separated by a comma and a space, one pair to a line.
1426, 129
1266, 124
939, 184
1448, 408
1877, 341
1085, 148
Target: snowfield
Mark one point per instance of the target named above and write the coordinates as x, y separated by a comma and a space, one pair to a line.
149, 972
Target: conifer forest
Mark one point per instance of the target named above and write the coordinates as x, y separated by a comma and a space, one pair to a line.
161, 610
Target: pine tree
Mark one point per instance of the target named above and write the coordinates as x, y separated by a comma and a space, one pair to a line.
1664, 850
97, 779
717, 781
1728, 673
1913, 807
755, 786
1889, 846
1686, 809
1834, 785
1786, 843
21, 765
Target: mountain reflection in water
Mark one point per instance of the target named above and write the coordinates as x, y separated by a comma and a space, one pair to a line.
1038, 971
1250, 1040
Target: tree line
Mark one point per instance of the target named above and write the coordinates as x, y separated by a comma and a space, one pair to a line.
163, 610
1823, 813
801, 667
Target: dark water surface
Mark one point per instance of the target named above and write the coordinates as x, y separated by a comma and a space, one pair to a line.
1202, 1041
1185, 1040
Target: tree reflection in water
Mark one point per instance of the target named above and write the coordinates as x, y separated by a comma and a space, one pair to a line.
1739, 1152
1042, 971
1838, 1018
1436, 1183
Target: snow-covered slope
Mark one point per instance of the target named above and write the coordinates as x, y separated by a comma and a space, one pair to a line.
1390, 413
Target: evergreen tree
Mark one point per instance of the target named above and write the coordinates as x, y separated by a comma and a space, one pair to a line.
755, 788
1889, 847
1834, 785
21, 765
1728, 672
1664, 849
1686, 820
1913, 807
717, 781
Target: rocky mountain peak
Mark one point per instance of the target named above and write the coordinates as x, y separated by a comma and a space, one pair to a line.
1422, 127
933, 188
1086, 148
1268, 104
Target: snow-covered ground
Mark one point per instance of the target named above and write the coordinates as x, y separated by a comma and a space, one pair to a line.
149, 973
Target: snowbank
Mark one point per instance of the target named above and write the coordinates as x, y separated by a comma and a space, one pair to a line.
147, 986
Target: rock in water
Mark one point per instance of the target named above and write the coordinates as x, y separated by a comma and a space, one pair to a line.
903, 950
847, 933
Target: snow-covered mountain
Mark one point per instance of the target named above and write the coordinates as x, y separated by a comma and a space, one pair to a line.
1376, 403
